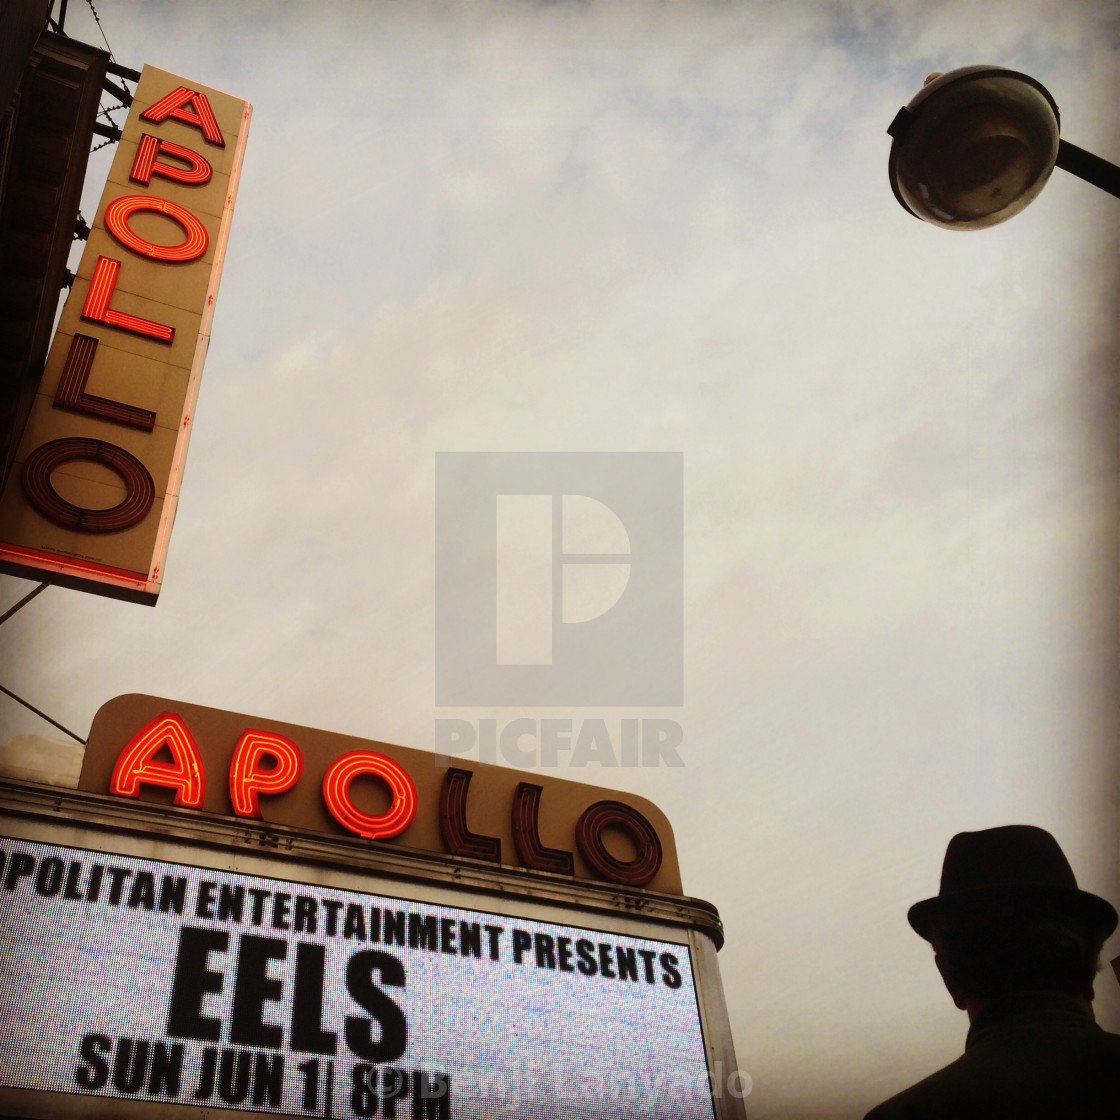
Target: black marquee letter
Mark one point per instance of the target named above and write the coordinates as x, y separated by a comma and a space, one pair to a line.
394, 1029
192, 981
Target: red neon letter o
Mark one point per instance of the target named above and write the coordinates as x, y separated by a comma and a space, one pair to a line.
589, 836
36, 481
336, 787
121, 209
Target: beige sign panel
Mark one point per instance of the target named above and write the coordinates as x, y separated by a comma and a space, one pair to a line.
151, 749
92, 495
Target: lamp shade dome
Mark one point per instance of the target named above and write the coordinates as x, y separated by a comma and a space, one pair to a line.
974, 147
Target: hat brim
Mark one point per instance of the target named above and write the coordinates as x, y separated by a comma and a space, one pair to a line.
1098, 915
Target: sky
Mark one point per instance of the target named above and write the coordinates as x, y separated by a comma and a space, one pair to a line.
565, 227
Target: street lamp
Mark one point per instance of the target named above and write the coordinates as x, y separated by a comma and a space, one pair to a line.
977, 144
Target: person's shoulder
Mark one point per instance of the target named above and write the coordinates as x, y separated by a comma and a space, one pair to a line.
1059, 1075
935, 1095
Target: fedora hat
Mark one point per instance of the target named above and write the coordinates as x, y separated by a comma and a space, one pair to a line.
1013, 861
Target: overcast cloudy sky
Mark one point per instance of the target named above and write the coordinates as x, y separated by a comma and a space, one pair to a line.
570, 227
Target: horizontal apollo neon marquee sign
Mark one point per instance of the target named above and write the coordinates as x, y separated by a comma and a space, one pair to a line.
92, 496
377, 795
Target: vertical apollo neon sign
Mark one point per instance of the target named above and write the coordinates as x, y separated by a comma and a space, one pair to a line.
92, 495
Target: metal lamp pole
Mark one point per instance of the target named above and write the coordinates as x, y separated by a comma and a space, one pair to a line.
976, 145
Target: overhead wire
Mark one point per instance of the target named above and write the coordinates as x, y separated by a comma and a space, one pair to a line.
97, 20
105, 112
19, 699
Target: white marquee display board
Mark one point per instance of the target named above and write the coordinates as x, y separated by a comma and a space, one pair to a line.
173, 984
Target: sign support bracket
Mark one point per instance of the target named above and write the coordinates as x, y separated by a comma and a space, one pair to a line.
19, 699
42, 715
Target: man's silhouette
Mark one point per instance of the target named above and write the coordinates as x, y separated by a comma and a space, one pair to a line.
1018, 946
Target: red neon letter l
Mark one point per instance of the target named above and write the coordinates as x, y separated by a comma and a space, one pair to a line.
97, 310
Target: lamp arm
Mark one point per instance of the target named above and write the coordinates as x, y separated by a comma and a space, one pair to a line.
1089, 167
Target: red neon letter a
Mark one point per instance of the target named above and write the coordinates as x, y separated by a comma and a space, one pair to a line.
199, 115
137, 762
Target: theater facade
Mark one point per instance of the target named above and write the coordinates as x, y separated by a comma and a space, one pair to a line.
228, 912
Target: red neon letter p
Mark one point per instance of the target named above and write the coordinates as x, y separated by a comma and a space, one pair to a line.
247, 778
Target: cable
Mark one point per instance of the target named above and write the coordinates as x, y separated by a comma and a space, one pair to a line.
42, 715
100, 28
23, 602
8, 692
